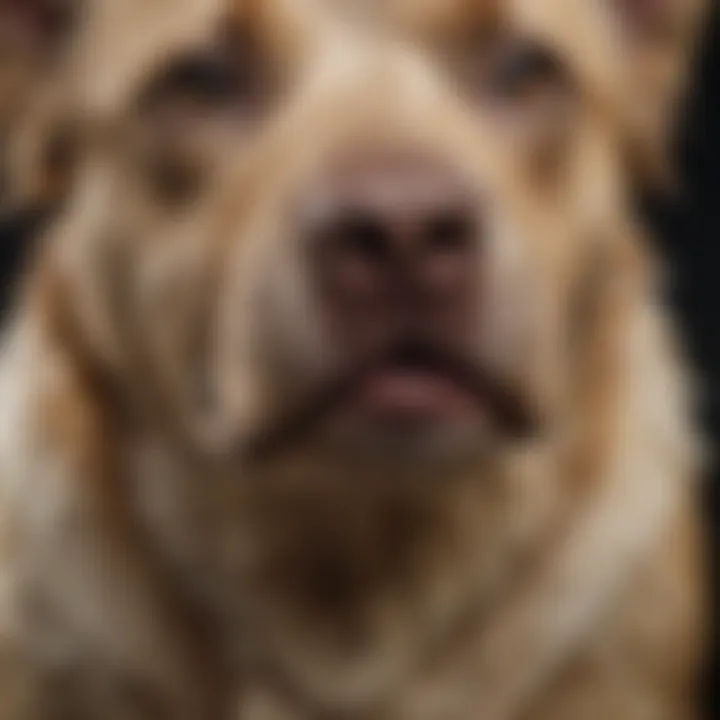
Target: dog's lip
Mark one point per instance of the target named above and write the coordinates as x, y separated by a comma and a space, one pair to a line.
401, 393
413, 383
415, 379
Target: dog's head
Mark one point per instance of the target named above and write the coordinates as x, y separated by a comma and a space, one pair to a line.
389, 229
329, 248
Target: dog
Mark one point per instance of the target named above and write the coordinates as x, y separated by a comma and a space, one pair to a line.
342, 387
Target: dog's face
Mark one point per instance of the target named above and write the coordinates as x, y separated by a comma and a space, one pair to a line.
335, 248
340, 227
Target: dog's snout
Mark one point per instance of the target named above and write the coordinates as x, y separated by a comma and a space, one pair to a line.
395, 232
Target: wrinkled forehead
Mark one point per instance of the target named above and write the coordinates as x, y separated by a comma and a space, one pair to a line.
425, 18
126, 39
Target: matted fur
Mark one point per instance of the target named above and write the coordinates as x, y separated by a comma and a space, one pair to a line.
153, 569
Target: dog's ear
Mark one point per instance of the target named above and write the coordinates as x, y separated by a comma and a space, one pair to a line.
635, 57
34, 29
654, 43
36, 37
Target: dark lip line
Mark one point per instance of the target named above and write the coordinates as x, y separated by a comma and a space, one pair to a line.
511, 413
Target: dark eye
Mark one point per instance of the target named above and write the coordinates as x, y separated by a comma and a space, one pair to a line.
229, 76
212, 79
519, 68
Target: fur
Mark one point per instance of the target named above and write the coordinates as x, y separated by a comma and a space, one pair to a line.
153, 567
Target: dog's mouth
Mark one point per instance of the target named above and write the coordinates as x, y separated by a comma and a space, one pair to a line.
416, 386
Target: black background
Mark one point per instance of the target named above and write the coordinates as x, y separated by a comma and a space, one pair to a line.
687, 231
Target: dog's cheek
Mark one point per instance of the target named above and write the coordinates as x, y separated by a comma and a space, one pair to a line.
169, 308
271, 344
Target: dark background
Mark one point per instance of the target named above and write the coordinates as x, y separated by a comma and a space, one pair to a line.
687, 231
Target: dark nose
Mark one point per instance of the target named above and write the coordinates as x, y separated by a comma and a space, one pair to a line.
395, 235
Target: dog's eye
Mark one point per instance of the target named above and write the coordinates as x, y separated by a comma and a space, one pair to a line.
230, 77
209, 80
520, 68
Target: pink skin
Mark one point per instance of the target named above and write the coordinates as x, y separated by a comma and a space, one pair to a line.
414, 396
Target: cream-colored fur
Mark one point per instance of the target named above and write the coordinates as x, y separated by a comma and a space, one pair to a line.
153, 569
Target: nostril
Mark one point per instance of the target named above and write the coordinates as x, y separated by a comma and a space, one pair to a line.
450, 231
354, 250
362, 236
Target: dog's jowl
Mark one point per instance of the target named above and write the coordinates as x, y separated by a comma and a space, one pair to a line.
342, 387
